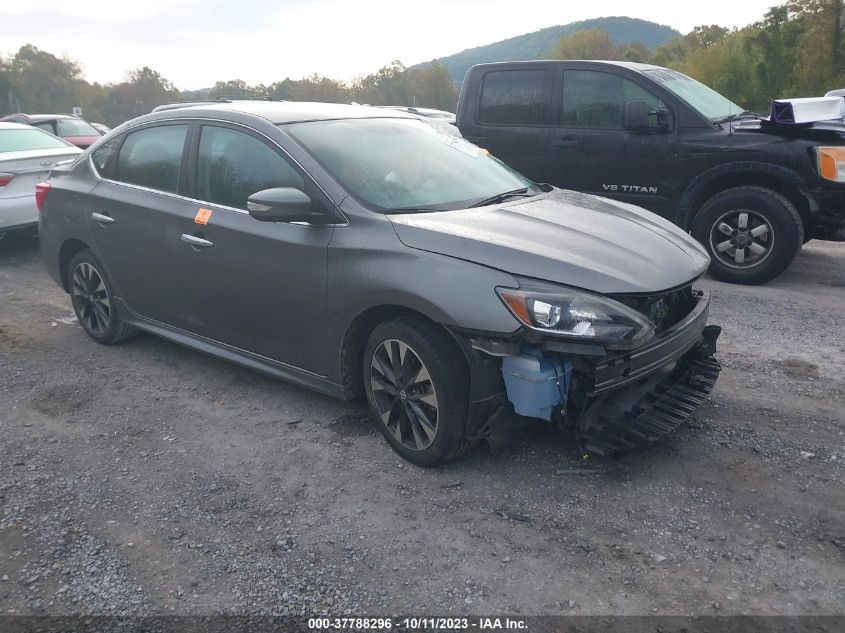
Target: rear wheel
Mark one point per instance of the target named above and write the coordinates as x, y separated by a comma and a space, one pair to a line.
93, 301
751, 233
416, 387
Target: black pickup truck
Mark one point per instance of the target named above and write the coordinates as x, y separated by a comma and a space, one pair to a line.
751, 190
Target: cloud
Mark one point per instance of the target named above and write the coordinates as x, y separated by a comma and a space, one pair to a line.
194, 43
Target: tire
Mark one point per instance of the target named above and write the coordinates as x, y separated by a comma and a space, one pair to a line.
761, 223
93, 300
424, 420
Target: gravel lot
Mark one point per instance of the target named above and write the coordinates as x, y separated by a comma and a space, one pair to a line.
146, 478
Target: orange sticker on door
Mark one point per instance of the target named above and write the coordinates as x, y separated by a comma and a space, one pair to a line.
203, 216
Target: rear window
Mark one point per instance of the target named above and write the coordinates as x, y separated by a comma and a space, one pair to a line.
514, 97
23, 140
76, 127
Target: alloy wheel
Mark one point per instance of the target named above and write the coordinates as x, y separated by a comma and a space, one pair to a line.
404, 394
90, 298
742, 238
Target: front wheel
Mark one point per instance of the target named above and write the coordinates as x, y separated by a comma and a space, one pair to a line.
416, 386
751, 233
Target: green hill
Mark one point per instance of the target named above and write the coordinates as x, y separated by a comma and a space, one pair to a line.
540, 43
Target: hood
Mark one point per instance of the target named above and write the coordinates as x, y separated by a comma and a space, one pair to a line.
818, 130
82, 141
564, 237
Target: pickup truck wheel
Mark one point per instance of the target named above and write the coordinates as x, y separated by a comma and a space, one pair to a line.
416, 387
751, 233
93, 300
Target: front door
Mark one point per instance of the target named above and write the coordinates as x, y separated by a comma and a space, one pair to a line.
257, 286
591, 151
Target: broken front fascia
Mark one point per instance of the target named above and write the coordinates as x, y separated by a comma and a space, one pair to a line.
581, 385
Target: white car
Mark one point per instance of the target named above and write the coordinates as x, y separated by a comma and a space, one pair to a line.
27, 154
440, 120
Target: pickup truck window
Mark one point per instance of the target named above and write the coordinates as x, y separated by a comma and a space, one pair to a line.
706, 101
593, 99
514, 97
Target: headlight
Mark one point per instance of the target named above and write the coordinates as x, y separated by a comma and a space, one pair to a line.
831, 163
577, 315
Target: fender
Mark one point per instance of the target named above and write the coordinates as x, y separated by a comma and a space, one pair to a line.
691, 197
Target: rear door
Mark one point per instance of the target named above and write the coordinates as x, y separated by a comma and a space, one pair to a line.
591, 151
257, 286
512, 118
132, 213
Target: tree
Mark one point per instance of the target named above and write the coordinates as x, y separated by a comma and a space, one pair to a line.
385, 87
705, 36
317, 88
237, 88
633, 52
7, 104
141, 91
41, 82
431, 87
588, 44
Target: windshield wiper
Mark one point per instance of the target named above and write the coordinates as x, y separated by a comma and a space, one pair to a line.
745, 114
501, 197
413, 210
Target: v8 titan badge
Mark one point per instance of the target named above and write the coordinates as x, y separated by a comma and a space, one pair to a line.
202, 216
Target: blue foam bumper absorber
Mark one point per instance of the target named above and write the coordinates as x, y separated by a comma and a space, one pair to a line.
536, 384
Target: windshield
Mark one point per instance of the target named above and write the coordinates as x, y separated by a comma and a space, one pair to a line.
393, 164
76, 127
707, 101
23, 140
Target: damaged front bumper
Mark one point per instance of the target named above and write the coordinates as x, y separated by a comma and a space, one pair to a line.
614, 401
657, 403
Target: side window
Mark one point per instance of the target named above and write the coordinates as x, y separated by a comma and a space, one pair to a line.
152, 157
514, 97
46, 126
233, 165
103, 156
594, 99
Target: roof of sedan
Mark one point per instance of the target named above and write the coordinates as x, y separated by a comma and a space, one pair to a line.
9, 125
38, 117
296, 111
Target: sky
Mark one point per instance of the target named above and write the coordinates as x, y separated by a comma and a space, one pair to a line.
194, 43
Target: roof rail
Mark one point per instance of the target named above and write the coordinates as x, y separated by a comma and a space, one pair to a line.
186, 103
226, 99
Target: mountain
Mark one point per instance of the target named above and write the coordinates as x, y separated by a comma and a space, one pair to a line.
541, 43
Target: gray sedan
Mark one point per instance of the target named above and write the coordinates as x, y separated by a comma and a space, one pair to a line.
359, 252
27, 154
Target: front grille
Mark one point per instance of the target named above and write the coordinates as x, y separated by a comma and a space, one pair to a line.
664, 310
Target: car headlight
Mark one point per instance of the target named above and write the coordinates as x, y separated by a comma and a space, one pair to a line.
831, 163
577, 315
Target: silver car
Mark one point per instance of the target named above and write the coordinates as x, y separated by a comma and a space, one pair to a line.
27, 155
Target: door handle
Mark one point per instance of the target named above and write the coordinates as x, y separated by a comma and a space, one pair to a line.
196, 242
565, 143
102, 218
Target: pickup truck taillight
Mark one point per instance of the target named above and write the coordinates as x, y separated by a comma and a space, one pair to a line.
5, 179
41, 191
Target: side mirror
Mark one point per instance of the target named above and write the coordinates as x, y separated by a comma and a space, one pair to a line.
282, 204
636, 115
638, 112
